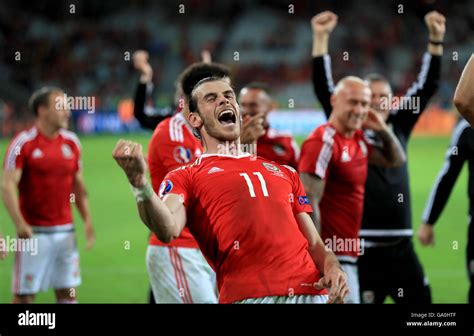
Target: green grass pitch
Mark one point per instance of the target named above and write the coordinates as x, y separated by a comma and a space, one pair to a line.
114, 270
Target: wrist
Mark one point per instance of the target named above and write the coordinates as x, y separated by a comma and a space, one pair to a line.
436, 38
143, 193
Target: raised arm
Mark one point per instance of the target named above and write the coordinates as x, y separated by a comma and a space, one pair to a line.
427, 80
456, 155
333, 275
390, 154
165, 218
464, 95
143, 92
322, 24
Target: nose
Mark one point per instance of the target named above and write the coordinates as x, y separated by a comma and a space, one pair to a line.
223, 100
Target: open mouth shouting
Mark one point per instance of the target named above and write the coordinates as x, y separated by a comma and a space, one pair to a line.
227, 117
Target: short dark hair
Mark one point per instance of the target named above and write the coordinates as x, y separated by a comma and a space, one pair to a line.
375, 77
193, 104
41, 98
258, 86
188, 79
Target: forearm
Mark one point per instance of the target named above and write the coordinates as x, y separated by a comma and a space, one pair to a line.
82, 205
10, 199
435, 49
323, 257
320, 44
158, 218
392, 150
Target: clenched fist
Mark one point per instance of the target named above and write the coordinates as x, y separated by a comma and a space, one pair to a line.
129, 156
324, 23
436, 23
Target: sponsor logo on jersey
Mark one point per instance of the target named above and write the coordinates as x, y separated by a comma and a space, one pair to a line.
215, 170
345, 157
182, 154
165, 187
66, 150
37, 153
291, 197
302, 200
270, 167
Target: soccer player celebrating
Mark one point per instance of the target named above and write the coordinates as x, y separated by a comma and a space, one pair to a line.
248, 215
44, 164
178, 271
460, 150
464, 95
255, 100
386, 224
333, 168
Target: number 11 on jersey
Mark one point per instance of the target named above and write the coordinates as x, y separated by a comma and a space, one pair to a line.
250, 185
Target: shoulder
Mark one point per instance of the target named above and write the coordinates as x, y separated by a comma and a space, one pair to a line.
323, 134
22, 138
71, 137
170, 130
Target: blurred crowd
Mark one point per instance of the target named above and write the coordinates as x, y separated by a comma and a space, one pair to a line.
87, 49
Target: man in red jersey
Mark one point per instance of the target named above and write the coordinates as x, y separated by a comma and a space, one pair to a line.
178, 271
255, 99
44, 164
248, 215
333, 167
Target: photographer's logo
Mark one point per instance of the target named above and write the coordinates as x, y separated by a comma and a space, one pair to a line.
29, 245
37, 319
345, 245
78, 103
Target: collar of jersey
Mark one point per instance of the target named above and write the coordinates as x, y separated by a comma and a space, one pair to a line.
225, 155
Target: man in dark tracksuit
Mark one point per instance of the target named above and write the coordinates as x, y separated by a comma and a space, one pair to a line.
389, 265
460, 150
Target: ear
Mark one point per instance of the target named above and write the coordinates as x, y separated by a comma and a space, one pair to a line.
333, 100
42, 110
195, 120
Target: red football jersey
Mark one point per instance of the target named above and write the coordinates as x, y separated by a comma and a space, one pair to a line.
342, 163
278, 147
172, 145
48, 169
241, 210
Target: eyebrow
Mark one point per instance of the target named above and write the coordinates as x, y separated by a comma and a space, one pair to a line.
214, 95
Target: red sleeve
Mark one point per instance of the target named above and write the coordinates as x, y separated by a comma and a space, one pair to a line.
316, 156
301, 203
78, 152
15, 156
177, 182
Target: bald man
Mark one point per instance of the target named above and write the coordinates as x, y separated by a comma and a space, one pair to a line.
333, 168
